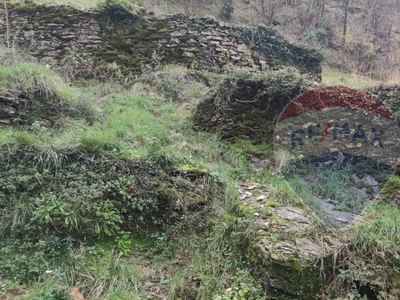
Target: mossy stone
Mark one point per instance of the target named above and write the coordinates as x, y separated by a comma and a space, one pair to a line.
391, 190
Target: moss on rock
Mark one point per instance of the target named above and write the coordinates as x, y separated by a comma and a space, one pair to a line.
246, 105
131, 43
123, 35
391, 190
292, 269
65, 15
141, 193
278, 52
292, 263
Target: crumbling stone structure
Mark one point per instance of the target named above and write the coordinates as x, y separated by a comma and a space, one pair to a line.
54, 33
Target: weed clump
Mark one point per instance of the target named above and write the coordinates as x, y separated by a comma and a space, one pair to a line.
391, 191
119, 8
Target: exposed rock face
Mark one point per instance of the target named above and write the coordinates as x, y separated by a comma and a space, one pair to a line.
48, 31
294, 265
9, 111
60, 33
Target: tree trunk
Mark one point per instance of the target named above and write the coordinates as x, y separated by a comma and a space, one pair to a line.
346, 11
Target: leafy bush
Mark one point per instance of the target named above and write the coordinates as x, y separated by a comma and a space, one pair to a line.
78, 201
315, 36
120, 7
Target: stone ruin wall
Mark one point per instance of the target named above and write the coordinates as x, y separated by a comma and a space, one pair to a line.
51, 33
93, 40
213, 45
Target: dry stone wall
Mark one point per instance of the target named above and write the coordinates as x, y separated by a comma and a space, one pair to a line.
27, 108
248, 106
100, 37
49, 32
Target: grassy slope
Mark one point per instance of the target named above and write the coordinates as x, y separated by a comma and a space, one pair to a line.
114, 123
197, 257
148, 130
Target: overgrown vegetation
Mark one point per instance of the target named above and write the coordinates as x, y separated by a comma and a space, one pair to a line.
368, 267
247, 104
118, 8
117, 197
357, 38
106, 186
347, 186
124, 200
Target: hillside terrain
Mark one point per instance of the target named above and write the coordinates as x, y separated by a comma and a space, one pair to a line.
137, 157
360, 37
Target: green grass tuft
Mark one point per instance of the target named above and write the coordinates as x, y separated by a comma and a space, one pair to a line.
380, 232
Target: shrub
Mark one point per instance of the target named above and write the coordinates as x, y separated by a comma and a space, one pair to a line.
120, 8
315, 36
